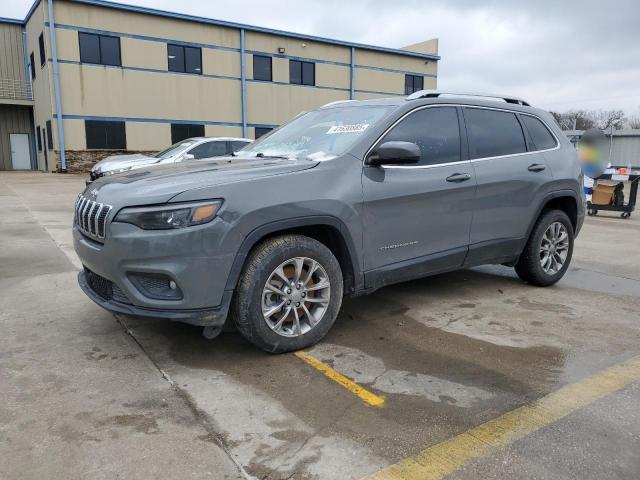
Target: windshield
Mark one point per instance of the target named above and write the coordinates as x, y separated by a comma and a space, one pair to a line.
174, 149
319, 134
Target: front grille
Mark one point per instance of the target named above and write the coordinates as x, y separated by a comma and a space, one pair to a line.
106, 289
91, 217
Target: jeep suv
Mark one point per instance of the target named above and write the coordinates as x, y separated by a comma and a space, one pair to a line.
344, 199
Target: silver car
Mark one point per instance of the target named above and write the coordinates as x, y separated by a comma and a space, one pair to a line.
195, 148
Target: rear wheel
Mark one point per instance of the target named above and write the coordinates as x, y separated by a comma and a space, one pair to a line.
547, 255
289, 294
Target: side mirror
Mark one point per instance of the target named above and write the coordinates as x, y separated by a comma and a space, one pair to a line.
394, 153
187, 156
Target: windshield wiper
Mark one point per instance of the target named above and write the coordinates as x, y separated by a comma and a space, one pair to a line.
262, 155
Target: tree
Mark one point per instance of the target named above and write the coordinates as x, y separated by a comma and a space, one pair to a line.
634, 121
586, 119
574, 120
607, 119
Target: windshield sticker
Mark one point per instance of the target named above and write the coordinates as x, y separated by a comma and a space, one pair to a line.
357, 128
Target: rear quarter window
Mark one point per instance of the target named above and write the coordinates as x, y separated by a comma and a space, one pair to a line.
540, 135
494, 133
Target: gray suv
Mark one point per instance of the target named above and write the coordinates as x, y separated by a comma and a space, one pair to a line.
342, 200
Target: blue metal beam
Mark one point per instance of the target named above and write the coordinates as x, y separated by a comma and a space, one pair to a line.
352, 72
243, 85
56, 86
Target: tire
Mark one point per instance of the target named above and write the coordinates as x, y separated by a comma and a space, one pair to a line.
251, 292
529, 267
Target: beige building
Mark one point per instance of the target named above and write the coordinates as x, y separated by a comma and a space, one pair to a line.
112, 77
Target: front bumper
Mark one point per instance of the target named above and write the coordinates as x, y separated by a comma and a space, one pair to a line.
214, 317
193, 258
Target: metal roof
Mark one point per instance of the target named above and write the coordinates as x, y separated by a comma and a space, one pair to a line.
223, 23
625, 132
11, 20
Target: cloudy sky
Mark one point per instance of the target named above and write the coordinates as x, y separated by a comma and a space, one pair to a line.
557, 54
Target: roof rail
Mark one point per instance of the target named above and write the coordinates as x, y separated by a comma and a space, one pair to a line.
337, 102
437, 93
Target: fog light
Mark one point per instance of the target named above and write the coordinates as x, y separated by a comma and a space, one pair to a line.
156, 285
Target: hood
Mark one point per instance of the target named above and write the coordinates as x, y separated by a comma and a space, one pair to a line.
117, 162
161, 183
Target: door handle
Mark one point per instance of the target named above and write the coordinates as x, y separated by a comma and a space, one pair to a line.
458, 177
536, 167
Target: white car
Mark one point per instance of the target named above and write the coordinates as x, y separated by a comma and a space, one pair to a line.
196, 148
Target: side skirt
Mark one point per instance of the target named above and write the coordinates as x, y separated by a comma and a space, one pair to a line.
424, 266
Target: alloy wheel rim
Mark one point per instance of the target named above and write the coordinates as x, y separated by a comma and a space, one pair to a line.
296, 296
554, 248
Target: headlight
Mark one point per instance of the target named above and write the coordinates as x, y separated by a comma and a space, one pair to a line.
119, 170
170, 216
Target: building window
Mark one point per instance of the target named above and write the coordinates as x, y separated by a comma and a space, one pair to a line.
104, 135
260, 131
262, 68
184, 59
413, 83
43, 55
100, 49
39, 139
302, 73
182, 131
49, 135
32, 66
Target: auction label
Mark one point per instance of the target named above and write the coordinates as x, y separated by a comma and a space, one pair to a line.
357, 128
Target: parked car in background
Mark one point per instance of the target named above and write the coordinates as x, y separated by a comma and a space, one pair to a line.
195, 148
346, 199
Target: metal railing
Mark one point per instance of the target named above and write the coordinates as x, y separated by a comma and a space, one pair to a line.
11, 89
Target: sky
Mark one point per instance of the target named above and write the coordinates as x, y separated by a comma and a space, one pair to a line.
558, 55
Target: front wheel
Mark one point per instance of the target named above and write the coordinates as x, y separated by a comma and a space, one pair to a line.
547, 255
289, 294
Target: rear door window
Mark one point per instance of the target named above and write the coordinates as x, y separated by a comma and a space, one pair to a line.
540, 135
235, 146
493, 133
208, 150
435, 130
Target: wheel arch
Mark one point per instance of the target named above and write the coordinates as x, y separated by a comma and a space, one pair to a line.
328, 230
564, 200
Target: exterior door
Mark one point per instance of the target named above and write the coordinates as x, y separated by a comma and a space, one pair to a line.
512, 181
20, 156
417, 218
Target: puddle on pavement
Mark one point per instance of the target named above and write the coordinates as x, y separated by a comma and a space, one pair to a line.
437, 382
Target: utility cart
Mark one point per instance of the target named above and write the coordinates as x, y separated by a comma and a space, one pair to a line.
620, 174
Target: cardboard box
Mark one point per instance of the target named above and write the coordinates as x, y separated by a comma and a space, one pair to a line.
602, 194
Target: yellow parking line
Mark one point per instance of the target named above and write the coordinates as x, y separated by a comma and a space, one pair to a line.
365, 395
445, 458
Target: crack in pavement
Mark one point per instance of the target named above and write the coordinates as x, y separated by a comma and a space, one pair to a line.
197, 412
